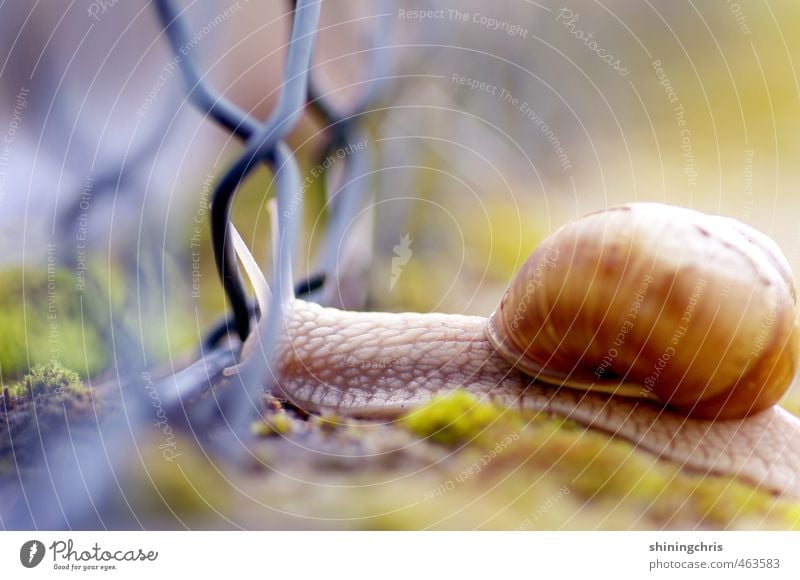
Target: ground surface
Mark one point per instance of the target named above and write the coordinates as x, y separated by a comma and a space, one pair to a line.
454, 464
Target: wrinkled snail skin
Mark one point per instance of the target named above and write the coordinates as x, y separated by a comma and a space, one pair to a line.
670, 328
379, 365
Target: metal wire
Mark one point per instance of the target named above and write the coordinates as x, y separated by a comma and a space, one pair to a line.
262, 147
223, 111
264, 141
302, 289
300, 86
178, 391
344, 128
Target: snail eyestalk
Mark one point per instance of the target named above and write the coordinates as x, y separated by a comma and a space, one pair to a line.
692, 293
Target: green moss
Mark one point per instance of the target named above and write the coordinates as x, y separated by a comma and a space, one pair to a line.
41, 405
558, 475
47, 380
43, 318
274, 424
327, 423
618, 478
454, 418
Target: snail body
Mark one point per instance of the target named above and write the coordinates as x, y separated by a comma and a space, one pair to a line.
708, 311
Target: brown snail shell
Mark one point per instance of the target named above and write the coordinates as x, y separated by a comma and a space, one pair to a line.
648, 300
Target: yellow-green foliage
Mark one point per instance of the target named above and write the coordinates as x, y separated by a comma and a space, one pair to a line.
46, 380
41, 405
49, 391
554, 474
327, 423
612, 473
274, 424
458, 417
41, 320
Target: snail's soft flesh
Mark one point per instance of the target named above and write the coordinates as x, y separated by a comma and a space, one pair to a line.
741, 339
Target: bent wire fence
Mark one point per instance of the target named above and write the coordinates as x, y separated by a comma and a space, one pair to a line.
83, 488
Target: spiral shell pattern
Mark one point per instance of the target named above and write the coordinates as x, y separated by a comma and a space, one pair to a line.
654, 301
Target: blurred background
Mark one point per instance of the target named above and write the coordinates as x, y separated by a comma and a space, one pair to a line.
501, 122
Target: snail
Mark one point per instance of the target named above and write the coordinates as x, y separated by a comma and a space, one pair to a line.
649, 300
671, 328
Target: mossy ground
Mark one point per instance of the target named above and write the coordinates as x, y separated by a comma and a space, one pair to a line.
42, 407
456, 463
43, 318
462, 464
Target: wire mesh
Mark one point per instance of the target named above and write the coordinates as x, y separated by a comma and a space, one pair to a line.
79, 497
265, 145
